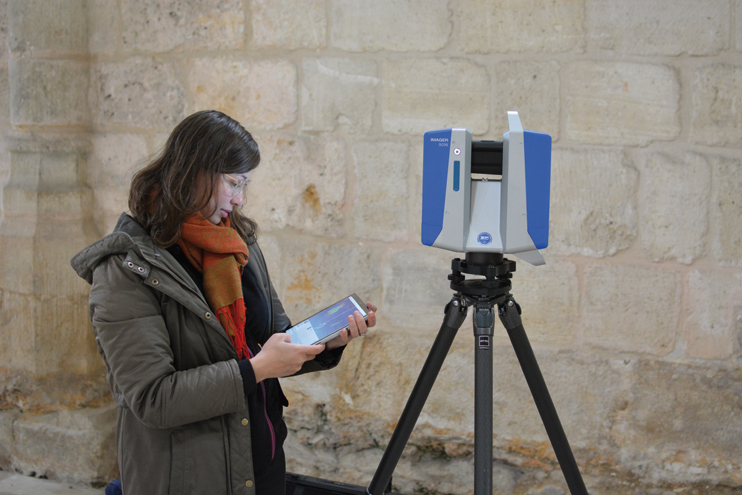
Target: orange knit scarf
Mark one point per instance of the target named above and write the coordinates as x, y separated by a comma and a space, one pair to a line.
220, 254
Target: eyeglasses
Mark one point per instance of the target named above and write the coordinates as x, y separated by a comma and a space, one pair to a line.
235, 186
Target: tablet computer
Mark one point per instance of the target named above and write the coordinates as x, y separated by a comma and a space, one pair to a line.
327, 324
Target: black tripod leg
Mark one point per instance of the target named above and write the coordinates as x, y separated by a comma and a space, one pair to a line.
455, 316
484, 329
510, 317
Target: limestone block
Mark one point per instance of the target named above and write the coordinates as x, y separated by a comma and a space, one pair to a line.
416, 288
65, 25
716, 96
315, 275
549, 298
138, 92
110, 166
621, 103
522, 26
7, 418
674, 206
532, 89
665, 27
256, 93
300, 183
394, 25
4, 25
4, 95
163, 26
739, 25
68, 445
104, 27
727, 210
17, 317
289, 24
17, 261
338, 91
380, 200
67, 344
593, 202
420, 95
683, 424
710, 327
586, 391
631, 308
48, 92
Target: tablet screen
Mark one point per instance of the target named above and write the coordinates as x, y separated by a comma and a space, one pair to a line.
324, 325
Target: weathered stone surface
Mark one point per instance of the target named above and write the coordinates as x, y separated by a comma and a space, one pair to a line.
716, 97
301, 184
593, 202
380, 203
48, 92
674, 196
289, 24
163, 26
532, 89
416, 288
7, 418
338, 92
67, 445
647, 300
621, 103
727, 210
4, 25
104, 27
522, 26
138, 92
710, 327
420, 95
110, 166
549, 298
65, 25
18, 484
665, 27
683, 422
316, 274
256, 93
395, 25
4, 96
739, 25
17, 317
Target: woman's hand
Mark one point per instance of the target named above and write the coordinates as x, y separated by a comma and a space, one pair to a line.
357, 327
279, 357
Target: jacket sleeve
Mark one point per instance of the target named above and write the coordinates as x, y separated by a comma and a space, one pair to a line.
135, 343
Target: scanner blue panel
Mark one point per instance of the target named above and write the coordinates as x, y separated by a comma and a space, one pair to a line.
537, 150
437, 145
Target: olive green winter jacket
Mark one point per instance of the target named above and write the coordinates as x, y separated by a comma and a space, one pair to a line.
183, 425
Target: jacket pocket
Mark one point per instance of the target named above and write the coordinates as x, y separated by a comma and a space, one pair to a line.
179, 462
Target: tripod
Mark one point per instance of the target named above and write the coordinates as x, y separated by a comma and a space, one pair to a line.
482, 294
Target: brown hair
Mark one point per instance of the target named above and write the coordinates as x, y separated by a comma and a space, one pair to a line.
203, 146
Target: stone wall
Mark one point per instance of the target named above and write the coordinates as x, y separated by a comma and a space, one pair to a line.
636, 319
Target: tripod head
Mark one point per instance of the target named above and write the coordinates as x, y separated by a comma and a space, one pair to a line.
496, 270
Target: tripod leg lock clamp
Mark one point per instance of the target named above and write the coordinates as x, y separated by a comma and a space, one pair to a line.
509, 312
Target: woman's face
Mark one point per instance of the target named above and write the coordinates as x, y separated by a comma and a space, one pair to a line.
226, 197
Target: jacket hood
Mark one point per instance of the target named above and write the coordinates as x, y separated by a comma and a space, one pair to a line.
127, 235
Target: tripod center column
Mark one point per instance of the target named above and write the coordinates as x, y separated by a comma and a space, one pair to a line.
484, 328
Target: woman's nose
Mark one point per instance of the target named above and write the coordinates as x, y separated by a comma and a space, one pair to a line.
239, 200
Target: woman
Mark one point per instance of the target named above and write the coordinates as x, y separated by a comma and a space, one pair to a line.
190, 327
